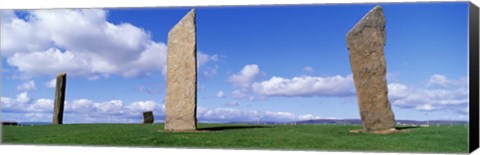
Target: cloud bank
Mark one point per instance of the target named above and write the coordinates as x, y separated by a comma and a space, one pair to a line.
25, 109
81, 42
440, 93
306, 86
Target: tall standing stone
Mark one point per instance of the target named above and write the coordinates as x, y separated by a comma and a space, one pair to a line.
59, 99
181, 99
365, 42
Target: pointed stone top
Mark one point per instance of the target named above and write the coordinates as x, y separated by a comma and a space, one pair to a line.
187, 21
377, 8
374, 18
192, 11
190, 14
62, 74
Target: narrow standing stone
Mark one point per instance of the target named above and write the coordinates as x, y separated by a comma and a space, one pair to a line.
365, 43
181, 99
59, 99
148, 117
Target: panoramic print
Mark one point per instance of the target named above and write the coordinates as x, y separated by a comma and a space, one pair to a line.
386, 77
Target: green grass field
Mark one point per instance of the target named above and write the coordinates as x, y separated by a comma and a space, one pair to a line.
447, 139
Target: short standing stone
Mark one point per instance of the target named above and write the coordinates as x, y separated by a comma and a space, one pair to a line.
181, 98
148, 117
59, 99
366, 41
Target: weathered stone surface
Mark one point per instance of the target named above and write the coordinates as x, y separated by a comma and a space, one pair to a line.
181, 99
148, 117
59, 99
366, 41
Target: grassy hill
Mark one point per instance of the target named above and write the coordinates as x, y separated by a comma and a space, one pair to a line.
448, 139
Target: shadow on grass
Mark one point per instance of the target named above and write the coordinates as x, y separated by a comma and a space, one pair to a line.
221, 128
406, 127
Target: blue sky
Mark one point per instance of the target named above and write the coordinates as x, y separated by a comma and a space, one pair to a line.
267, 63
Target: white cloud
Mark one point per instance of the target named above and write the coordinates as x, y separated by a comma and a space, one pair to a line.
232, 115
396, 91
53, 61
15, 32
51, 84
306, 86
80, 42
451, 96
142, 106
203, 58
308, 117
243, 80
22, 98
438, 81
279, 116
41, 106
246, 76
154, 58
220, 94
23, 103
79, 106
29, 85
239, 93
425, 107
308, 70
205, 67
110, 107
